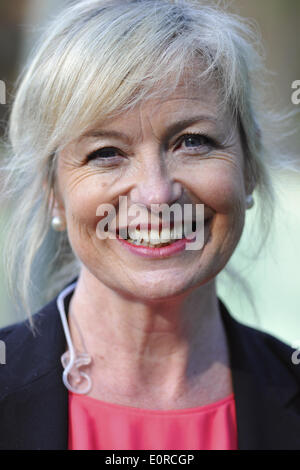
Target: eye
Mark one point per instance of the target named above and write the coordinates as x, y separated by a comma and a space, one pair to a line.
105, 153
196, 141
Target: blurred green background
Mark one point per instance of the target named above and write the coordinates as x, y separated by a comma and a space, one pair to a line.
272, 276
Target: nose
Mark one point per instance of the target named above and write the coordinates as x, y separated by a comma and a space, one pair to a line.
156, 186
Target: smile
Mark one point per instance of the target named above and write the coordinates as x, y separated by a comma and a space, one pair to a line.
159, 243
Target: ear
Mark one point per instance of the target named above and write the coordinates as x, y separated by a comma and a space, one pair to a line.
250, 185
58, 218
55, 203
251, 170
250, 176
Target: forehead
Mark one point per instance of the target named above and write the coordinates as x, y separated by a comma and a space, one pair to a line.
183, 99
187, 100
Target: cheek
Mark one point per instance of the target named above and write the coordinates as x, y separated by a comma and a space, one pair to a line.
220, 188
81, 204
82, 197
226, 199
81, 209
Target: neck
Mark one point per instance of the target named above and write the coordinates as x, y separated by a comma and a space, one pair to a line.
156, 348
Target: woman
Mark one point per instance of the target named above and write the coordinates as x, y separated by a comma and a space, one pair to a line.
131, 105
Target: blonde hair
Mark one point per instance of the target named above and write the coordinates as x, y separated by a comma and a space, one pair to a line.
100, 57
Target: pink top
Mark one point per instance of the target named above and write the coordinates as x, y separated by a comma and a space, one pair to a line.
97, 425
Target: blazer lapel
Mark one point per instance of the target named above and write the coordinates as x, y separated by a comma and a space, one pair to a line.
34, 409
266, 388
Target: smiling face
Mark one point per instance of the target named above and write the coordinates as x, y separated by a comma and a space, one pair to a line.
178, 149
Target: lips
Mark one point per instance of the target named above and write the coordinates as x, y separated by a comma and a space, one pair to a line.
160, 237
159, 251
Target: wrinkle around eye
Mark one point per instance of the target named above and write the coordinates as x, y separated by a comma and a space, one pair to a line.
80, 176
231, 159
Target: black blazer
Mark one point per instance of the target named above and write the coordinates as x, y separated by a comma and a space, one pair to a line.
34, 401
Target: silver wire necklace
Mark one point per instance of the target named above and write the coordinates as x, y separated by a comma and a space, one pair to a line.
72, 360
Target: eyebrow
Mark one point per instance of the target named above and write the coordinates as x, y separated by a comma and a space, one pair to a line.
104, 133
184, 123
170, 131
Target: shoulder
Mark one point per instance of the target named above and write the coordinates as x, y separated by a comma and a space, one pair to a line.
30, 353
270, 359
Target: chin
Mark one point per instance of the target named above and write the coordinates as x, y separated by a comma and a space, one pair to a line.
163, 289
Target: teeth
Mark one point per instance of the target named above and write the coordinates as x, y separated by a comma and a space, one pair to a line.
135, 234
154, 237
145, 235
147, 244
165, 235
176, 232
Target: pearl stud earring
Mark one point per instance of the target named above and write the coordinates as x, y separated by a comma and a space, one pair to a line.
58, 223
249, 201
